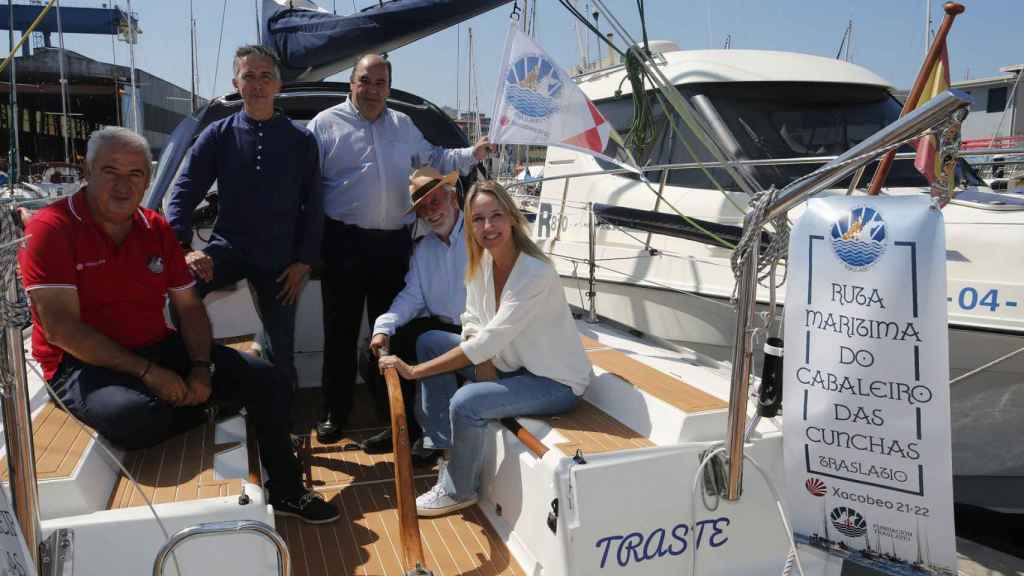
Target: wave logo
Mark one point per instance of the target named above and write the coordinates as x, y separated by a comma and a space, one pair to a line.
533, 85
848, 521
815, 486
858, 238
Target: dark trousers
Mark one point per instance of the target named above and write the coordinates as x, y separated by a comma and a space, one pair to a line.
361, 267
278, 319
125, 412
403, 345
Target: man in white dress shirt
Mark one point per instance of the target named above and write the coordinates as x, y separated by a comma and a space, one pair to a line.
434, 296
366, 153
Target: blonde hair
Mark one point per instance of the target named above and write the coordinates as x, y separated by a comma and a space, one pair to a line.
520, 236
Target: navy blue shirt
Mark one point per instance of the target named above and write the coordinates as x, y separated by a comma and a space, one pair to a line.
268, 184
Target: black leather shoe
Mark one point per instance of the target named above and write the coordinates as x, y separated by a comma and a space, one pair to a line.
329, 428
308, 507
423, 457
379, 443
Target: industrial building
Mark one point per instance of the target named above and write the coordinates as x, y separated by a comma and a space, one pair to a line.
99, 93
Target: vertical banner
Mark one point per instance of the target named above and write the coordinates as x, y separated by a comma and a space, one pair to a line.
867, 426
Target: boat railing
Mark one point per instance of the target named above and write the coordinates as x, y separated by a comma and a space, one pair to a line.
948, 106
284, 562
795, 161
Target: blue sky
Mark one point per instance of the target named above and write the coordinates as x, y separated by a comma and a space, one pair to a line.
888, 37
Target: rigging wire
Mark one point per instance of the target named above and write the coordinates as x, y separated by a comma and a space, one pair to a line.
579, 16
643, 25
220, 42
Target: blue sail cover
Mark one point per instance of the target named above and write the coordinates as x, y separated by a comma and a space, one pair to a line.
314, 44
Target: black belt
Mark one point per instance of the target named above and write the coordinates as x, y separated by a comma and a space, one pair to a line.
338, 224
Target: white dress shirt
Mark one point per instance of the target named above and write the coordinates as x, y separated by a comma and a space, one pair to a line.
365, 165
532, 328
435, 284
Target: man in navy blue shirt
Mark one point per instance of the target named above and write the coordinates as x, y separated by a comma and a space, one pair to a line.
270, 217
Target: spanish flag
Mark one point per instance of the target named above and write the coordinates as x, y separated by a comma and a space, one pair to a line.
928, 161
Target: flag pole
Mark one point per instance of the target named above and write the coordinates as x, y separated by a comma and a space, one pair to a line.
952, 10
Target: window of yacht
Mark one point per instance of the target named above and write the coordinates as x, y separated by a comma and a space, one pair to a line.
771, 122
996, 100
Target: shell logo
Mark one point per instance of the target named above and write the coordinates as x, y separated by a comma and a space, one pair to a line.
815, 487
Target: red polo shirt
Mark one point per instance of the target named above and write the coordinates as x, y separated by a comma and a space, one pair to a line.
121, 289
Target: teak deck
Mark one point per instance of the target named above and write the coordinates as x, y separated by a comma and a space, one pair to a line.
591, 431
365, 540
177, 470
668, 389
59, 441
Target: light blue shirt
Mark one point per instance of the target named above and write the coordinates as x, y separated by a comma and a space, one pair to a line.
365, 165
435, 284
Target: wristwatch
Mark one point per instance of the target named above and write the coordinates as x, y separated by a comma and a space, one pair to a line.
203, 364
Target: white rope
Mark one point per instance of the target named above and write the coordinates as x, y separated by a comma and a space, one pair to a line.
793, 555
984, 367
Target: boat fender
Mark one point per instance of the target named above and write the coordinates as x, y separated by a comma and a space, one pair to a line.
769, 400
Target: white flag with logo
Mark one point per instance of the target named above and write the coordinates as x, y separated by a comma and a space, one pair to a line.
537, 103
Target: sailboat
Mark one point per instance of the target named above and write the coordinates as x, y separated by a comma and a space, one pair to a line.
780, 115
552, 488
601, 489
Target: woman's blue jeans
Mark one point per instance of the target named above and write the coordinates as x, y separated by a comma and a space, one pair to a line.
456, 418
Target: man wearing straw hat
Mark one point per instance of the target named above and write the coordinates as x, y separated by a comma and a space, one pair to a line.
366, 152
434, 295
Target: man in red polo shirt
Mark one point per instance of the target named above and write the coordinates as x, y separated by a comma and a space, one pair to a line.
98, 269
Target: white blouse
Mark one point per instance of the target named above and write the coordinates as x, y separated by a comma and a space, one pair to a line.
532, 328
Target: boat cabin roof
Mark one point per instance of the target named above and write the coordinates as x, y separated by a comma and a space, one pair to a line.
704, 66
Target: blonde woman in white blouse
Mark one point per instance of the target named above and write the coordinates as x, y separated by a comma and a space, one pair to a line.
519, 351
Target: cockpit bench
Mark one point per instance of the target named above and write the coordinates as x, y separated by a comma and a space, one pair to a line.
591, 430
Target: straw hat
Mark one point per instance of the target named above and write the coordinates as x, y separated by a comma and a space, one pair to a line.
423, 181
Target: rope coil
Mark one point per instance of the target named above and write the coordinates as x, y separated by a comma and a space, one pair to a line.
13, 313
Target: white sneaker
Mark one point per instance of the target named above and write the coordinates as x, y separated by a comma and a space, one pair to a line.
437, 502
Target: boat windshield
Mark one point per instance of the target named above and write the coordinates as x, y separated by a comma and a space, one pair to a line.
772, 121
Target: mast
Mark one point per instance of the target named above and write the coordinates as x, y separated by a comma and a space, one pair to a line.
63, 87
192, 53
580, 41
476, 90
927, 25
458, 74
14, 157
131, 57
470, 87
259, 26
